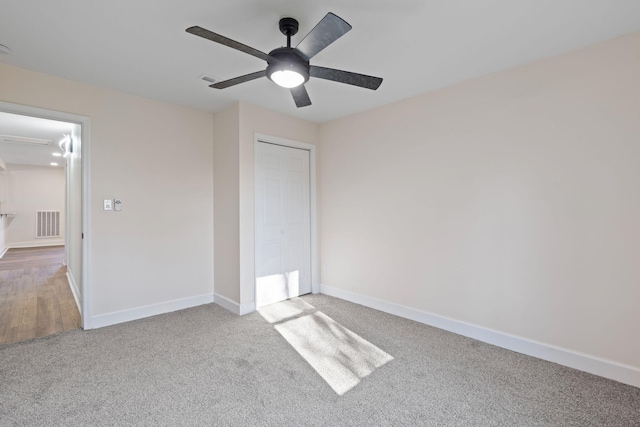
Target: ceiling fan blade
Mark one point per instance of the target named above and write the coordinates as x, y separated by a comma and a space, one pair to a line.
210, 35
329, 29
300, 96
347, 77
238, 80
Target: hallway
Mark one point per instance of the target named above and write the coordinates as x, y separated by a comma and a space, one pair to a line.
35, 297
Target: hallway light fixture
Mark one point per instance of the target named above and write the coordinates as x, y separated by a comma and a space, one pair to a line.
63, 143
66, 145
13, 139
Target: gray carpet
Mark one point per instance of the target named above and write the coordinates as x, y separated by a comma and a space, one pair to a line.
340, 356
206, 366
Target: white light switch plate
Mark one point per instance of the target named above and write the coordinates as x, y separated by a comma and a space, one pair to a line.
107, 204
117, 204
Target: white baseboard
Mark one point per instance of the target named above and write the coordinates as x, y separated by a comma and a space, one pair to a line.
74, 290
19, 245
583, 362
225, 302
232, 306
246, 308
36, 243
148, 311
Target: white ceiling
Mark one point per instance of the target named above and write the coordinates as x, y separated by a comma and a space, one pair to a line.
141, 46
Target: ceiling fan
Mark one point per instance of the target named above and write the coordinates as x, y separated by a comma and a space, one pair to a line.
289, 67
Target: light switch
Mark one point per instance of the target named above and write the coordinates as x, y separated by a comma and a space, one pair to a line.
107, 204
117, 204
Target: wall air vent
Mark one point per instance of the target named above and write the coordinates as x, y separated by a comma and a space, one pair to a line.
47, 224
12, 139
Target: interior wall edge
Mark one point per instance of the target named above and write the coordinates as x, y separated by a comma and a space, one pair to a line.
584, 362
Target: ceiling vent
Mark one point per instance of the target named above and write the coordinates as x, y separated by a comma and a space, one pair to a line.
24, 140
207, 78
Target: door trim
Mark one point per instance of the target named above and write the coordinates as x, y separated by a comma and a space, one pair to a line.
258, 138
85, 129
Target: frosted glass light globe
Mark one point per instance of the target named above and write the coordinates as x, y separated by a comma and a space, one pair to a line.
287, 78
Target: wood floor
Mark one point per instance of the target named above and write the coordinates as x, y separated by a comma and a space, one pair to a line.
35, 297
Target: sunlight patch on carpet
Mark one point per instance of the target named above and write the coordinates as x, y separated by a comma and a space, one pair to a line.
275, 313
341, 357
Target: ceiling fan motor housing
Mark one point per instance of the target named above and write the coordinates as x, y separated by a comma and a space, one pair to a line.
288, 26
286, 58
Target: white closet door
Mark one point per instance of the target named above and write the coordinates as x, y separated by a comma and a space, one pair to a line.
282, 223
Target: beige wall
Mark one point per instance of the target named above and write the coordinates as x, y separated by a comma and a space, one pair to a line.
157, 158
32, 189
226, 125
508, 202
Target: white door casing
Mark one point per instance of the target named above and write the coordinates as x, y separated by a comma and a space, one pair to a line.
282, 223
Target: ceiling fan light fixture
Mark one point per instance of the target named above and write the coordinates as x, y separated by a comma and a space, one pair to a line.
287, 69
287, 78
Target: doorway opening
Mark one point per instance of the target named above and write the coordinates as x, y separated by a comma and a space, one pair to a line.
42, 226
